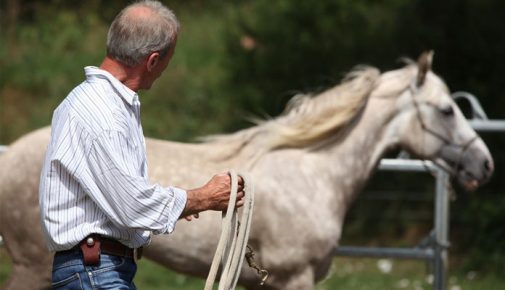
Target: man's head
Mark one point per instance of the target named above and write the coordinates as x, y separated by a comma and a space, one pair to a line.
140, 29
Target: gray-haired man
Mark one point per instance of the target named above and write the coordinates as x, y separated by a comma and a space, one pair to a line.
98, 207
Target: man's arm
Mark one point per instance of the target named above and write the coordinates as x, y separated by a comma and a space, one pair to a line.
117, 186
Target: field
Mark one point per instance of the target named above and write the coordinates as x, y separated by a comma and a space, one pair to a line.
346, 274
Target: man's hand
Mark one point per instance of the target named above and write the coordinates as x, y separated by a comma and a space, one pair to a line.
214, 195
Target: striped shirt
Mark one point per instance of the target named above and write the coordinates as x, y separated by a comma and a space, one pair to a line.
94, 178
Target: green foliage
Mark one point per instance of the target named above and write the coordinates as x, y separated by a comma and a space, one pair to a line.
52, 67
279, 47
41, 63
466, 37
189, 99
482, 219
46, 54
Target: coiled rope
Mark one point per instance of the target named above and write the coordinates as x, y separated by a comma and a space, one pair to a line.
234, 236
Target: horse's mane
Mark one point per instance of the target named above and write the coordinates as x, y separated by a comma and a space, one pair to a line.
306, 119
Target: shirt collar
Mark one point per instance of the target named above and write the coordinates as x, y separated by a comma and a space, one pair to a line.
125, 92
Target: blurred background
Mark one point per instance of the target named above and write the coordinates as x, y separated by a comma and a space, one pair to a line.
237, 59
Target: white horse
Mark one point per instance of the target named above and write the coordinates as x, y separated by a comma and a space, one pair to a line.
307, 165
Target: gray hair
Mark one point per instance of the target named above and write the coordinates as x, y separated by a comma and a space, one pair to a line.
132, 38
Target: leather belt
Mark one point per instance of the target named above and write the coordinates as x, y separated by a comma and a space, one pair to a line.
110, 246
93, 245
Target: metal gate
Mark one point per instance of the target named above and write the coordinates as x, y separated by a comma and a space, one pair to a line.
433, 248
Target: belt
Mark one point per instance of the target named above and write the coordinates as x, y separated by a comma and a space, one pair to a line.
93, 245
112, 247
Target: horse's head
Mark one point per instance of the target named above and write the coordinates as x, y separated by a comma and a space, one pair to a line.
433, 127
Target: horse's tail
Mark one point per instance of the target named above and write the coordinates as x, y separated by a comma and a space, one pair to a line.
3, 149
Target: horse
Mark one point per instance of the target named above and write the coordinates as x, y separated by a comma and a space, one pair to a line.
308, 164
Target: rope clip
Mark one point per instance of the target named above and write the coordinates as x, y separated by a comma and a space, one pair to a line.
249, 256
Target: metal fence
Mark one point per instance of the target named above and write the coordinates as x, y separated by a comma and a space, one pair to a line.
433, 248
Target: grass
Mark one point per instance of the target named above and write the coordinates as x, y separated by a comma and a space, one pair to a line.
5, 265
153, 276
345, 274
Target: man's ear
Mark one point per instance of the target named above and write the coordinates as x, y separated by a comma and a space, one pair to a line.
152, 61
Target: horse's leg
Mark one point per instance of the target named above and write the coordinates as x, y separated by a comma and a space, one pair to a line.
32, 277
31, 264
31, 261
303, 279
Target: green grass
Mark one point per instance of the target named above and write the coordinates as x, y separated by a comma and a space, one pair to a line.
345, 274
153, 276
5, 266
364, 274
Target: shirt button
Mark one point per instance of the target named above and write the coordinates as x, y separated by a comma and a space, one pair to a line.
90, 241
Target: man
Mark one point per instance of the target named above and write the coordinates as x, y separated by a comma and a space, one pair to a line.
97, 205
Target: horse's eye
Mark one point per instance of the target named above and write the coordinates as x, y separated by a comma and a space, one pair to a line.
447, 111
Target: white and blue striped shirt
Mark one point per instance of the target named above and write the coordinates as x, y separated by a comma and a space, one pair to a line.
94, 178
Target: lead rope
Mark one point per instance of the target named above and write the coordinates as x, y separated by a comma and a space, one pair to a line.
232, 243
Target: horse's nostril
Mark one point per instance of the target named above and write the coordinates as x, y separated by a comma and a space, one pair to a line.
488, 165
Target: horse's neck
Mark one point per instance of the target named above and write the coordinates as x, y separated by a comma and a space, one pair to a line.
357, 156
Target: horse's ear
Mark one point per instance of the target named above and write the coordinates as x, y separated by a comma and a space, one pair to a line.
424, 65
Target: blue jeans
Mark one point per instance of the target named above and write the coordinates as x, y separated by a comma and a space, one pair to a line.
113, 272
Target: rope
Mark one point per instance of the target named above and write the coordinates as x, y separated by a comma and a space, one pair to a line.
233, 240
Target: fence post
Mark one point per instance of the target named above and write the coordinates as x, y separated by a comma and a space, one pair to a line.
441, 231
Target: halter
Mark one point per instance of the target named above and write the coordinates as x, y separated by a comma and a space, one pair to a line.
463, 146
